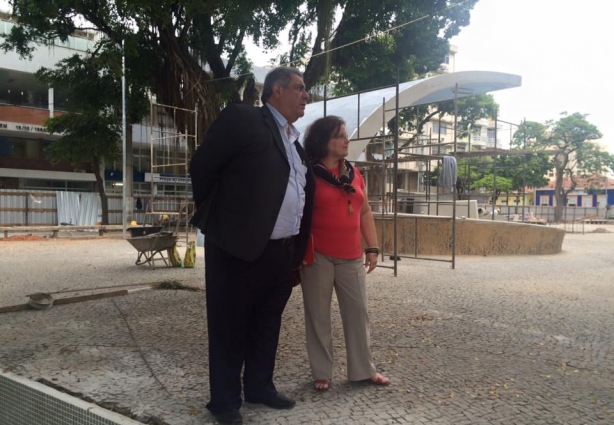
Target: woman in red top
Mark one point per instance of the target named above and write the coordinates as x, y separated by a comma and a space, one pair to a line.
341, 215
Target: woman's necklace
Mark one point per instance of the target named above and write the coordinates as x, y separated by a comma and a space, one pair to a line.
350, 207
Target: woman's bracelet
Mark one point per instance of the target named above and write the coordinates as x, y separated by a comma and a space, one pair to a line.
372, 250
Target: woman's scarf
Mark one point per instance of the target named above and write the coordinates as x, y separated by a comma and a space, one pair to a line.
346, 176
344, 182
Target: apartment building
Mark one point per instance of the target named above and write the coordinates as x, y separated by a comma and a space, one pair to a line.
25, 105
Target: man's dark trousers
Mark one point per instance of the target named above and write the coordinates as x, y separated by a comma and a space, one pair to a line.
245, 302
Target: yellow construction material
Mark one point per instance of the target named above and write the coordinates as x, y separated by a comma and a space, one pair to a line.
190, 255
173, 254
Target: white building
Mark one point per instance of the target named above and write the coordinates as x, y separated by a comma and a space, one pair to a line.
25, 105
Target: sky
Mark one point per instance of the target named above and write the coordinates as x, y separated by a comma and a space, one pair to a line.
562, 49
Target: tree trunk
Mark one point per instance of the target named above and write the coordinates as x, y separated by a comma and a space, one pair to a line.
319, 65
182, 82
558, 195
374, 180
104, 201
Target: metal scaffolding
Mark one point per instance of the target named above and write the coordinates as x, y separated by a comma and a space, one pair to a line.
391, 165
170, 159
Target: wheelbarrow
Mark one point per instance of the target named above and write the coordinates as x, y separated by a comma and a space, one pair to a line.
153, 247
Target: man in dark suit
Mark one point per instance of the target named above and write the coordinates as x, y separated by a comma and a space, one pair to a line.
253, 189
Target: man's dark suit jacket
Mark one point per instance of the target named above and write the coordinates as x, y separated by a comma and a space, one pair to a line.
239, 178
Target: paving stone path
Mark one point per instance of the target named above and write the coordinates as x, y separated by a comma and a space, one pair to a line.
499, 340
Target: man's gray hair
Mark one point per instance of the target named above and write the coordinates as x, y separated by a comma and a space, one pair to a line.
281, 75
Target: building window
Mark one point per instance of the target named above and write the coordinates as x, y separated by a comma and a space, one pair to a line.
61, 100
401, 181
544, 200
587, 201
141, 188
25, 148
6, 146
446, 59
168, 156
173, 189
142, 160
439, 128
21, 88
69, 185
113, 188
491, 133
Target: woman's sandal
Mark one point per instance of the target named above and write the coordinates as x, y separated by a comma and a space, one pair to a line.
322, 384
379, 379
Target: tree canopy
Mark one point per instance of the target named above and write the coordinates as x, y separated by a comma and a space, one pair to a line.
503, 173
469, 111
417, 46
90, 131
570, 143
524, 171
191, 53
491, 183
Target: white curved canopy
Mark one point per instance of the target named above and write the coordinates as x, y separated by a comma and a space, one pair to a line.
366, 121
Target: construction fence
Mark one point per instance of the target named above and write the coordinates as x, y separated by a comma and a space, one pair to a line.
55, 208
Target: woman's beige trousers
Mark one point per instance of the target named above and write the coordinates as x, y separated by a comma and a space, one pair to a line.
348, 278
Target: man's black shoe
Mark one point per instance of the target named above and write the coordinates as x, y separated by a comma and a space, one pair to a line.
232, 417
280, 401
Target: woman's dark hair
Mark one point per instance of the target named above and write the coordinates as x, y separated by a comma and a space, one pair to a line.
319, 134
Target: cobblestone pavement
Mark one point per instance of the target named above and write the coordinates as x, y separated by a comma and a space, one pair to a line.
499, 340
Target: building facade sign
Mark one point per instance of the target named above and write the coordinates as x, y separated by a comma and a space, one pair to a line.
167, 178
13, 126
